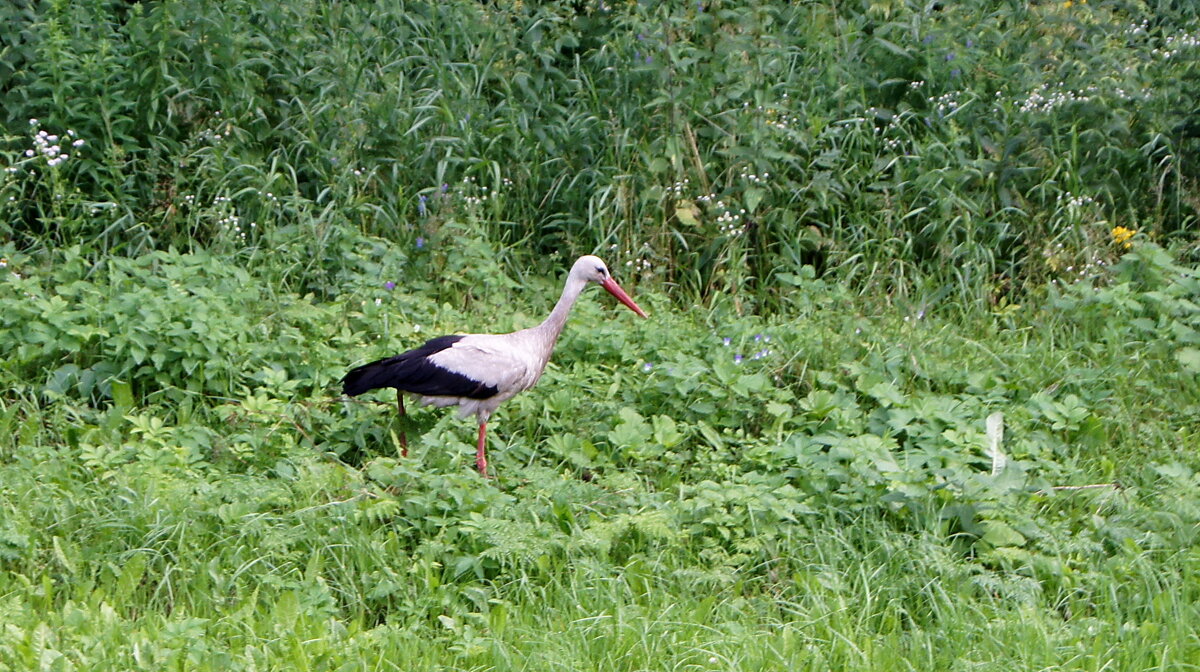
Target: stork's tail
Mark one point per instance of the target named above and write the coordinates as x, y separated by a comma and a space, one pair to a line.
368, 377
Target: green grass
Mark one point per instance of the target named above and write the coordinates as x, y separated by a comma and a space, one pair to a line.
861, 230
275, 574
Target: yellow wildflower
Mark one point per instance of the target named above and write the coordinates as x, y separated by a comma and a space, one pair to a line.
1122, 235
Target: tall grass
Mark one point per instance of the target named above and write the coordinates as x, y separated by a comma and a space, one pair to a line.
889, 143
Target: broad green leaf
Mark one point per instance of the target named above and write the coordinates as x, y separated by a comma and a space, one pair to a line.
122, 395
1189, 359
752, 197
687, 213
710, 435
997, 533
666, 432
778, 410
633, 430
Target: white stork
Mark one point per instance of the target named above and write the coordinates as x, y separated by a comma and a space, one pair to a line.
478, 372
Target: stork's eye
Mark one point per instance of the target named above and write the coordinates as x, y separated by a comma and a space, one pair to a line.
601, 271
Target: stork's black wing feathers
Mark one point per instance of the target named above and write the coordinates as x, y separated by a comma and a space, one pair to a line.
413, 372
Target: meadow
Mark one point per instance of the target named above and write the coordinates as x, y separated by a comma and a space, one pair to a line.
919, 390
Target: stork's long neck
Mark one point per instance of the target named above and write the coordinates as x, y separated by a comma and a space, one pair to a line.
552, 326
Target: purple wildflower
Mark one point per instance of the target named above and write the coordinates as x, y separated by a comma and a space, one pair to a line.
726, 341
420, 242
389, 285
647, 366
421, 205
737, 359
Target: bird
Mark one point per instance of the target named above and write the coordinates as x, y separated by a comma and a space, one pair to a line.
478, 372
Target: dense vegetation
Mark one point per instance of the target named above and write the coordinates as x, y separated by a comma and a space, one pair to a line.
919, 389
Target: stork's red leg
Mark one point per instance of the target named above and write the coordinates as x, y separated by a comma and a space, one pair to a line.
403, 434
480, 451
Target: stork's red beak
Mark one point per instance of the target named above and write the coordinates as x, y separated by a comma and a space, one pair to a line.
615, 289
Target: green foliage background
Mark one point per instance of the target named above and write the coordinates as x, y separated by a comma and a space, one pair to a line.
860, 228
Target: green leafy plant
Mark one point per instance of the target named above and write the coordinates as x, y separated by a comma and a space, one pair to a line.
921, 361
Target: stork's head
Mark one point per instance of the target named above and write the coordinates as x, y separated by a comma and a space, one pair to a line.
593, 269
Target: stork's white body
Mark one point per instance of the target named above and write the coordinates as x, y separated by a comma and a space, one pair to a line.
511, 363
478, 372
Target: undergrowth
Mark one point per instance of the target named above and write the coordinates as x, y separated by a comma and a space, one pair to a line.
777, 464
